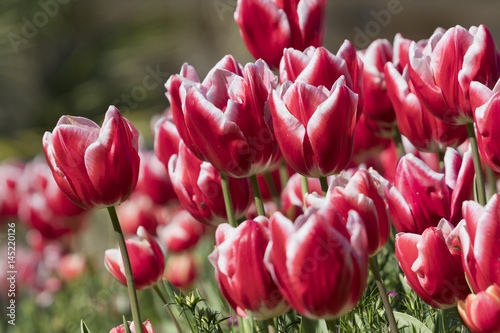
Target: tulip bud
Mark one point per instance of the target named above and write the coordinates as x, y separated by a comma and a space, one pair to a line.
95, 167
182, 233
481, 312
146, 328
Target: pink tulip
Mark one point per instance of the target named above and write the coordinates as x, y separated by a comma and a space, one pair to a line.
243, 279
481, 312
225, 120
319, 67
182, 270
139, 210
442, 71
166, 138
146, 328
146, 259
10, 173
95, 167
432, 265
292, 199
269, 26
421, 197
197, 185
71, 266
314, 126
480, 243
182, 233
486, 104
319, 263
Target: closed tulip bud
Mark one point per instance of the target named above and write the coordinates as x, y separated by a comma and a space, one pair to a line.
146, 328
421, 197
139, 210
486, 104
443, 70
198, 187
315, 126
432, 265
480, 243
146, 259
269, 26
225, 120
95, 167
241, 274
166, 138
319, 263
71, 266
182, 270
481, 312
182, 233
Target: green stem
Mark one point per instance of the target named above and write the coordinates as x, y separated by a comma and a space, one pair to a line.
227, 200
324, 185
284, 174
158, 292
256, 194
305, 189
272, 187
441, 159
481, 192
490, 179
400, 149
383, 294
134, 304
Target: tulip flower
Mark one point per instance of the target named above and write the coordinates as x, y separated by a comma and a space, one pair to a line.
181, 270
146, 259
377, 106
243, 279
182, 233
10, 173
442, 71
319, 67
198, 187
319, 263
269, 26
146, 328
314, 126
432, 264
421, 197
480, 243
415, 122
481, 312
368, 145
486, 104
95, 167
225, 120
138, 210
292, 199
71, 266
166, 139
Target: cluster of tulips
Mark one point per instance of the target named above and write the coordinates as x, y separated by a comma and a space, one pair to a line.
301, 176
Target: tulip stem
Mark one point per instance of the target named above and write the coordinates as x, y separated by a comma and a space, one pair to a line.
158, 292
441, 159
324, 185
383, 294
284, 174
256, 194
132, 294
400, 149
272, 187
481, 192
270, 326
490, 179
227, 200
305, 190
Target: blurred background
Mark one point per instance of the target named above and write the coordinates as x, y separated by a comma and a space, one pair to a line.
77, 57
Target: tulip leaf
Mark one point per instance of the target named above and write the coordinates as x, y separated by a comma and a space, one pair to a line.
125, 325
83, 327
410, 324
313, 326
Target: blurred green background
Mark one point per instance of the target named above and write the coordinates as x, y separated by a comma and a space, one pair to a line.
77, 57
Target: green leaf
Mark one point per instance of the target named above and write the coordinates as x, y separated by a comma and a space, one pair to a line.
313, 326
410, 324
83, 327
125, 325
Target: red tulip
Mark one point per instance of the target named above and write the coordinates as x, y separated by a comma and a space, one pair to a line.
421, 197
146, 328
432, 265
181, 270
243, 279
486, 104
71, 266
146, 259
95, 167
292, 200
139, 210
481, 312
319, 263
315, 127
166, 139
225, 120
269, 26
10, 173
441, 72
368, 145
319, 67
182, 233
480, 243
377, 106
423, 129
197, 185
